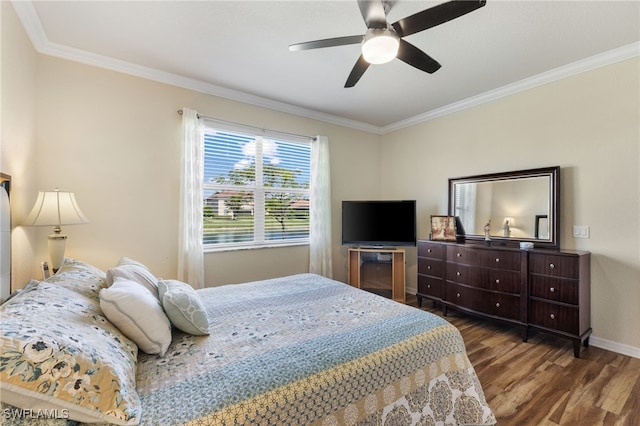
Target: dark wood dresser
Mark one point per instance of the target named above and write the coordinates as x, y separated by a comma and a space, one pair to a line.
547, 290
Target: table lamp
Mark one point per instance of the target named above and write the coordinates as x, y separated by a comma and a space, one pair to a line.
55, 208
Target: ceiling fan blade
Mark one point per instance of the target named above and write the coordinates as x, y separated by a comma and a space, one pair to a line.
358, 69
435, 16
415, 57
373, 13
327, 42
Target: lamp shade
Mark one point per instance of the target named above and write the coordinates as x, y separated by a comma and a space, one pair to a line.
55, 208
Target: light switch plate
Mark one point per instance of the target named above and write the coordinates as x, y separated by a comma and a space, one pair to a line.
580, 231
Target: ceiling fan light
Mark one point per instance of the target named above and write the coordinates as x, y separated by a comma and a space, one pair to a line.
380, 46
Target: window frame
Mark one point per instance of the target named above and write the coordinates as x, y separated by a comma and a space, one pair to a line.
257, 187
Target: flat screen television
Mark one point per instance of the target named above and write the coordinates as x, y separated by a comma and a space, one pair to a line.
379, 223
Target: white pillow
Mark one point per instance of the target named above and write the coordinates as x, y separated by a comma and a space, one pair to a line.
137, 314
124, 260
135, 271
184, 307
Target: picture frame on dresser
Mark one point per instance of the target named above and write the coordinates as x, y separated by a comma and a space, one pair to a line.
443, 228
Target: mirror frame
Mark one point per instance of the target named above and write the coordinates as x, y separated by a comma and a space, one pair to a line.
554, 204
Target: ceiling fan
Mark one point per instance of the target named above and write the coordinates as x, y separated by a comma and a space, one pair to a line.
383, 42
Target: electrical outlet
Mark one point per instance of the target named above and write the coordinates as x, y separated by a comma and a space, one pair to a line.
580, 231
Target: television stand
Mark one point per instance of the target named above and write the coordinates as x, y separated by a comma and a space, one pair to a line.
378, 270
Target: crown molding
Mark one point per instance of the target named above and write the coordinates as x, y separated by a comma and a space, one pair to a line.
31, 23
578, 67
152, 74
33, 27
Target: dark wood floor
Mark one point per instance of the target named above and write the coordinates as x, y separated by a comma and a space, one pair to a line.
541, 383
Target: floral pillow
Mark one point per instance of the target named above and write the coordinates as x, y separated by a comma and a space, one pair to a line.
80, 277
59, 353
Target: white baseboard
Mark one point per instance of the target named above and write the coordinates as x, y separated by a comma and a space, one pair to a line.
595, 341
616, 347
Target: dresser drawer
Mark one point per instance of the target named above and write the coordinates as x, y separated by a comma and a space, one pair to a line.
490, 279
429, 249
430, 286
504, 306
556, 289
462, 296
488, 302
502, 259
553, 316
429, 266
507, 281
554, 265
466, 274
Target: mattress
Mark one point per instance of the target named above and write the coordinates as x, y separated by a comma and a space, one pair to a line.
305, 350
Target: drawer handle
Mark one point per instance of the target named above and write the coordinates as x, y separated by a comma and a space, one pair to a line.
428, 285
498, 305
428, 250
459, 254
551, 265
428, 266
497, 260
458, 273
552, 316
457, 294
497, 281
552, 290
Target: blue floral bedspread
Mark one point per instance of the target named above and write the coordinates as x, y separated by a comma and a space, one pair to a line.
308, 350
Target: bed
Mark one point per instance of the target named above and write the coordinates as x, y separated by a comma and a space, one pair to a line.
301, 349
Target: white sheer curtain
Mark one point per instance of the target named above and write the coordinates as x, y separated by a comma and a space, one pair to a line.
320, 209
190, 248
465, 198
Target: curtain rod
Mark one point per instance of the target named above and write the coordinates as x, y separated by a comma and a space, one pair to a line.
275, 132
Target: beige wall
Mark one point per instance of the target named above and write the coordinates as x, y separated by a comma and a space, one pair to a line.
18, 89
120, 137
113, 140
589, 125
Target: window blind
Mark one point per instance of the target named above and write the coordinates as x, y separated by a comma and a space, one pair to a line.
256, 188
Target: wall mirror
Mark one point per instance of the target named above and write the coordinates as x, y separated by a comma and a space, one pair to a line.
517, 206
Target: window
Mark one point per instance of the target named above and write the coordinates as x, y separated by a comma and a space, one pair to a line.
256, 189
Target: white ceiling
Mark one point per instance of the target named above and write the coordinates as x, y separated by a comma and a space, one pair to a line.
239, 50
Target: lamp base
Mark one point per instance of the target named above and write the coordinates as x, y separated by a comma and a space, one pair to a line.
57, 243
